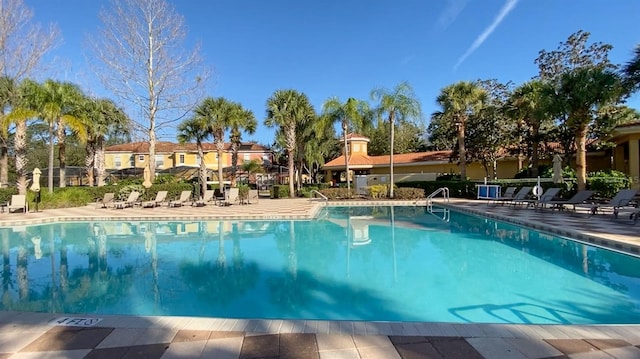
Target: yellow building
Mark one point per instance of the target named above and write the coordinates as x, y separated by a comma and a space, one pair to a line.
425, 166
171, 155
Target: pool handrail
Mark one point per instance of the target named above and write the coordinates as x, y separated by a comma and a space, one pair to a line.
445, 195
326, 199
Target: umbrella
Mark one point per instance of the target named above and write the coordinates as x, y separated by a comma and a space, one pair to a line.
35, 186
557, 169
146, 174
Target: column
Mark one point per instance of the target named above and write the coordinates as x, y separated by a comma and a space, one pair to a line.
634, 162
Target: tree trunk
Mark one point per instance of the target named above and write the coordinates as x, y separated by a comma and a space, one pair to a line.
4, 162
291, 149
391, 140
90, 162
462, 150
346, 156
234, 163
20, 148
62, 155
581, 157
51, 154
100, 166
535, 157
219, 148
202, 172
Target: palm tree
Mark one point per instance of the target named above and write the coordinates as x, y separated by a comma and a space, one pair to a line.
21, 112
458, 103
101, 118
631, 71
353, 115
215, 114
287, 110
241, 120
195, 129
252, 166
582, 92
8, 93
400, 104
56, 102
531, 103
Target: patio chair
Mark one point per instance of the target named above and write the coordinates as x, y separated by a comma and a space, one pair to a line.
161, 197
546, 197
579, 198
105, 201
218, 196
208, 197
253, 196
621, 199
185, 198
233, 196
519, 196
131, 201
508, 193
18, 202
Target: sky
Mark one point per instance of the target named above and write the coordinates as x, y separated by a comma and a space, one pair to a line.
347, 48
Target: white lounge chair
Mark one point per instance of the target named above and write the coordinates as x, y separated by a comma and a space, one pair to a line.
206, 199
18, 202
129, 202
232, 196
105, 201
161, 197
185, 198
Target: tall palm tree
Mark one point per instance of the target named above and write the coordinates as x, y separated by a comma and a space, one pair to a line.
102, 118
241, 120
631, 71
56, 102
251, 166
399, 104
531, 103
582, 92
18, 115
195, 129
458, 103
287, 109
353, 115
215, 114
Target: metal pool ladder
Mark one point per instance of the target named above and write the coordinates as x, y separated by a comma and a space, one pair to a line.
320, 194
442, 213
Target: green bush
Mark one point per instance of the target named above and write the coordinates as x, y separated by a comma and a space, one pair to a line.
6, 193
378, 191
407, 193
280, 191
306, 191
460, 189
243, 192
336, 193
607, 183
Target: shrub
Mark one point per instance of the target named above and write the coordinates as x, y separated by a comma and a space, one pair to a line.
280, 191
6, 193
306, 191
243, 192
378, 191
607, 183
336, 193
462, 189
407, 193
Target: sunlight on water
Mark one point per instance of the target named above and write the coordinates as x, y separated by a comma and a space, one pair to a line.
353, 263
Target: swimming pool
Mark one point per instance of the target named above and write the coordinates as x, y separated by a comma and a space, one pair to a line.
351, 263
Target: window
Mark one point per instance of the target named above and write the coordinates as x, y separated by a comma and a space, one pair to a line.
117, 162
247, 157
265, 159
132, 161
141, 158
181, 159
159, 161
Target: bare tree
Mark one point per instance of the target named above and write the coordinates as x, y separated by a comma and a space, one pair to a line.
140, 45
22, 46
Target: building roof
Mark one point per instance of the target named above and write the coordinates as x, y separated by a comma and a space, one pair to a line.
364, 161
170, 147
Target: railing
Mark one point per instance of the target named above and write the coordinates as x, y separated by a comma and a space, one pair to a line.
441, 213
442, 190
320, 194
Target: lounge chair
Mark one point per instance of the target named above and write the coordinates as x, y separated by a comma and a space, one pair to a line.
579, 198
18, 202
519, 196
508, 194
105, 201
546, 197
253, 196
621, 199
131, 201
161, 197
185, 198
233, 196
208, 197
219, 196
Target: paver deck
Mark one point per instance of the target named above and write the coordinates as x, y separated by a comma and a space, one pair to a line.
36, 335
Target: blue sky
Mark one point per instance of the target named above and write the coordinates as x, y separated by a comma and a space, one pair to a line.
347, 48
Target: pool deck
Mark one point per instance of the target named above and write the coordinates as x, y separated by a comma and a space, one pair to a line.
36, 335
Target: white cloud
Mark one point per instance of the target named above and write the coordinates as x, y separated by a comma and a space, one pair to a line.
504, 11
451, 12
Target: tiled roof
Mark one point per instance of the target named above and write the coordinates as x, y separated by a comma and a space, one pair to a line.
170, 147
364, 161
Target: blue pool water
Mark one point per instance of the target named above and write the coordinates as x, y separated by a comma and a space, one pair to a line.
352, 263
